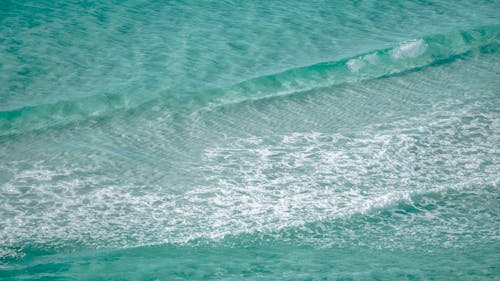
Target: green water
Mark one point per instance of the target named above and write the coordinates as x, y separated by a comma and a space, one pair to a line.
249, 140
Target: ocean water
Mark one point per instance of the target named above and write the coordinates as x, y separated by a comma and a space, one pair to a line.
249, 140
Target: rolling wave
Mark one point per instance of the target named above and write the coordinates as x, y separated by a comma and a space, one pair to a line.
407, 56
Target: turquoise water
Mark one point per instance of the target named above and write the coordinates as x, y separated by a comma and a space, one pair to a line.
250, 140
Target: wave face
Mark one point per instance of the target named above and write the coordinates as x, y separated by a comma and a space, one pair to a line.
407, 56
264, 141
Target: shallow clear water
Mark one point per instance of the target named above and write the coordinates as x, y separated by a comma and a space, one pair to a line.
290, 140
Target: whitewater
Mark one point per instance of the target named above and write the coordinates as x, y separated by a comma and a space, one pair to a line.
249, 140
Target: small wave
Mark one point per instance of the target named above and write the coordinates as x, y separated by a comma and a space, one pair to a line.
408, 55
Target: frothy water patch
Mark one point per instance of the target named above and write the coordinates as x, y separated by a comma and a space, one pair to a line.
410, 49
357, 63
259, 184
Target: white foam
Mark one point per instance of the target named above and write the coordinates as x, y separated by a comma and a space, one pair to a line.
410, 49
372, 58
355, 64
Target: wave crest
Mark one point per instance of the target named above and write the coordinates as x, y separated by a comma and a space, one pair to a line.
380, 63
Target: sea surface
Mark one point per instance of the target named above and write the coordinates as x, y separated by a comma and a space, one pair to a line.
249, 140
